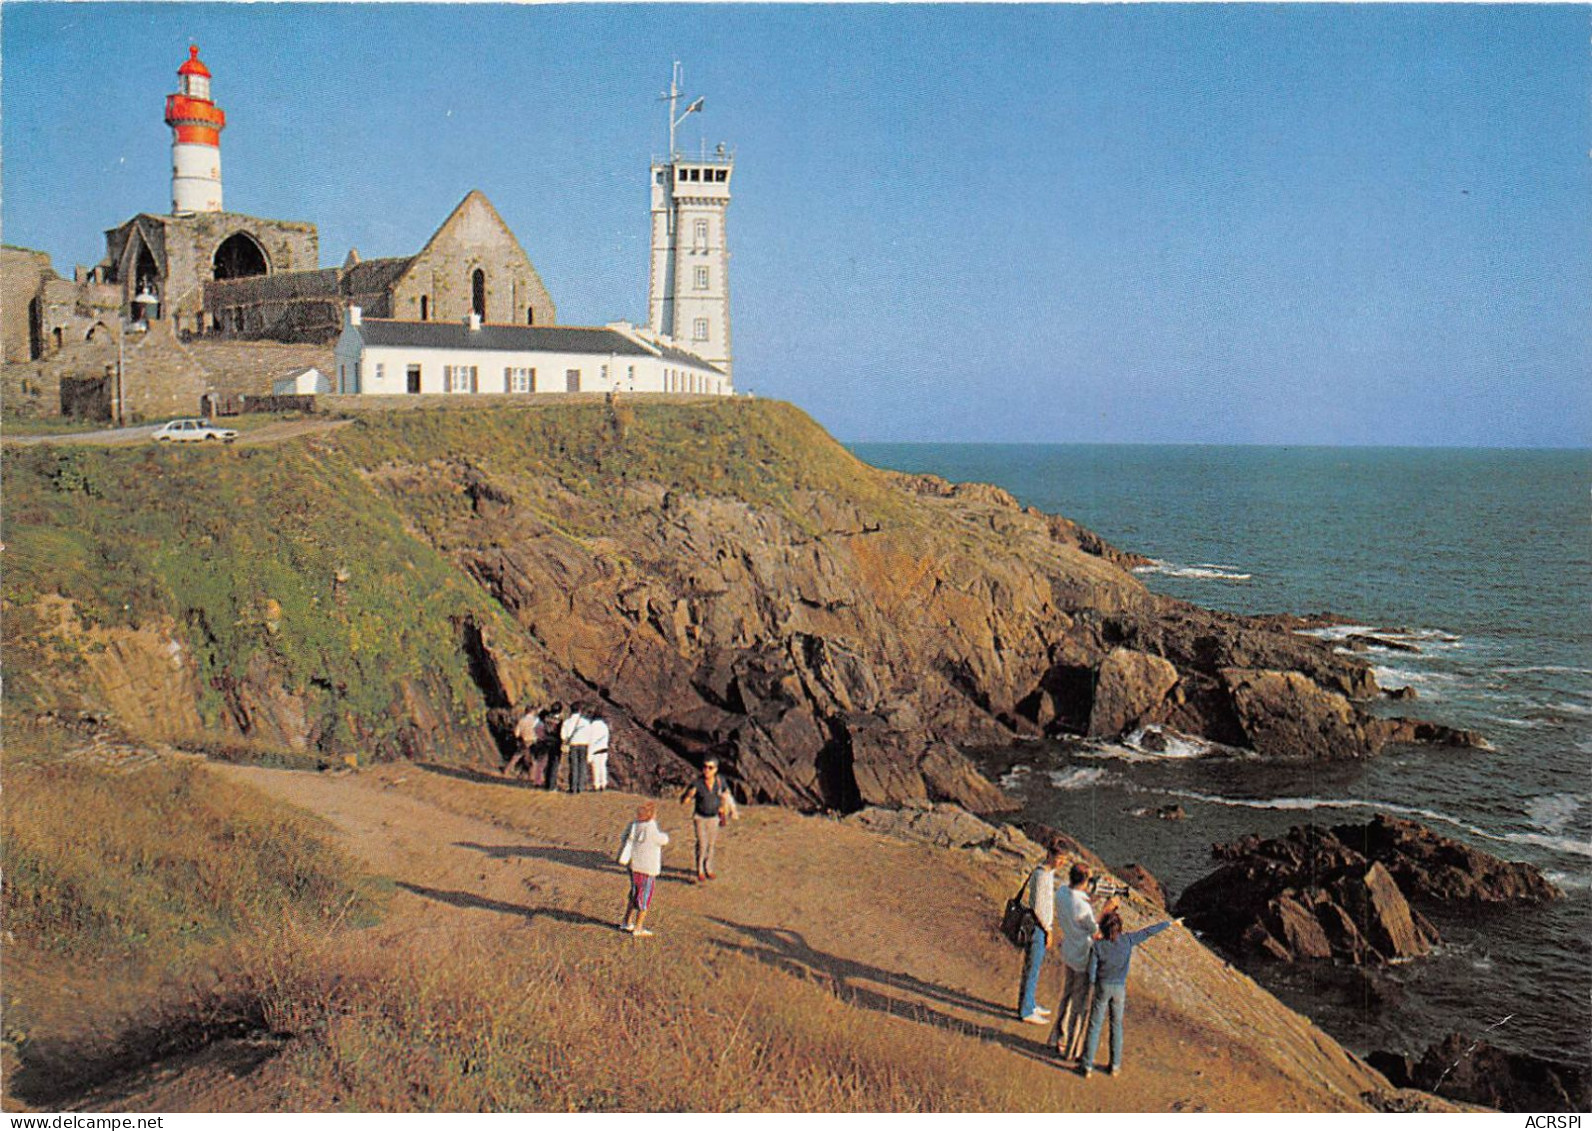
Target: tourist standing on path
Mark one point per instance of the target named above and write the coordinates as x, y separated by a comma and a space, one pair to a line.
712, 806
544, 744
1075, 918
574, 748
642, 852
549, 726
1042, 901
524, 737
1108, 971
596, 736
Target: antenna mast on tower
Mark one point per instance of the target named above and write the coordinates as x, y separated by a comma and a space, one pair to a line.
673, 98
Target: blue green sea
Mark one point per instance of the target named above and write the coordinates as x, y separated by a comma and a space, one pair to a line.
1481, 559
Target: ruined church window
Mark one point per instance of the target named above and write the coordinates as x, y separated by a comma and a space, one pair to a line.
239, 257
530, 316
425, 308
478, 293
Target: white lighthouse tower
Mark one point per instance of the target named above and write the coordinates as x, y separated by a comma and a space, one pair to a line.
688, 293
196, 124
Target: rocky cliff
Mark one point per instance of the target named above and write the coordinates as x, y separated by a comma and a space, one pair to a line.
722, 576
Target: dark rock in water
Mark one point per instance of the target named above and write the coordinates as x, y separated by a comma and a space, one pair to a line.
1306, 896
1433, 867
1421, 731
1367, 640
1398, 1068
1172, 813
1343, 893
1401, 693
1459, 1068
1138, 877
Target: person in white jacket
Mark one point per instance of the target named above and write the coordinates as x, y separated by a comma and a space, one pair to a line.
1042, 901
595, 736
642, 852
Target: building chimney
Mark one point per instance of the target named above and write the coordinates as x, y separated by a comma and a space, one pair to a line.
354, 315
475, 320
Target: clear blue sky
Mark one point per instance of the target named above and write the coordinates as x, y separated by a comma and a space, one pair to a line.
1232, 223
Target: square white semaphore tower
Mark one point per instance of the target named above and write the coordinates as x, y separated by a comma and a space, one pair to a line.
688, 294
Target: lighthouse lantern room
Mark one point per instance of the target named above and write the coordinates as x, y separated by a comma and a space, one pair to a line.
196, 124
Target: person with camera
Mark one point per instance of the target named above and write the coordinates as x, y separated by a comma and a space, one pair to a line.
1075, 917
1108, 972
1042, 902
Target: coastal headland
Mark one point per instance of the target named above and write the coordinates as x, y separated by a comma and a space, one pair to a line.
723, 578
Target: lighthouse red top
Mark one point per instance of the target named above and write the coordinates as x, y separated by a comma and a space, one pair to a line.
193, 66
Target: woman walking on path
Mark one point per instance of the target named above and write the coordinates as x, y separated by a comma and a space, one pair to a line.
642, 851
1108, 971
1042, 902
712, 806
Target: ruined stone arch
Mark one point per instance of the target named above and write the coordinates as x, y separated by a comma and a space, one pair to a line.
97, 332
240, 256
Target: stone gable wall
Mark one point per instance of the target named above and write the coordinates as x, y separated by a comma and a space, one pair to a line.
473, 237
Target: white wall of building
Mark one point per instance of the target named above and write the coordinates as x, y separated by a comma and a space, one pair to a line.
386, 371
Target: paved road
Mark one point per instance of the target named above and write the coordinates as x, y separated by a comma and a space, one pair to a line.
140, 434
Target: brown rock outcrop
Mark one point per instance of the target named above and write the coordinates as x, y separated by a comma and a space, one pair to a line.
1131, 689
1428, 866
1301, 897
1345, 892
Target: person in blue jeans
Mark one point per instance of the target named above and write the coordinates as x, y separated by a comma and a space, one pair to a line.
1042, 902
1108, 973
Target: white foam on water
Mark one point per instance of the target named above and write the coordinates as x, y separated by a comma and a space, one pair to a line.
1553, 811
1389, 676
1015, 776
1079, 777
1569, 881
1132, 748
1527, 724
1570, 708
1560, 844
1194, 572
1552, 669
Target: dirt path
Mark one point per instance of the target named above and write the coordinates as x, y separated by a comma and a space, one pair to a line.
891, 926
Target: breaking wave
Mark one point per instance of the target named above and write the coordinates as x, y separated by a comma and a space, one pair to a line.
1152, 744
1202, 572
1079, 777
1553, 811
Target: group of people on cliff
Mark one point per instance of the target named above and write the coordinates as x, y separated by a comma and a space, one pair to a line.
544, 739
580, 741
1095, 955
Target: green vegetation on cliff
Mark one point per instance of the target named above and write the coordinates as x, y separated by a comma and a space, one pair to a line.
278, 556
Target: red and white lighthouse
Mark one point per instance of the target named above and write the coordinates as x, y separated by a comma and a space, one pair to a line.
196, 124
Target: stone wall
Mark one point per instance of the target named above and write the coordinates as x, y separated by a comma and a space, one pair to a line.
22, 274
186, 256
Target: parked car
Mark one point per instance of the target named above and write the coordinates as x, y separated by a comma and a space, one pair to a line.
193, 429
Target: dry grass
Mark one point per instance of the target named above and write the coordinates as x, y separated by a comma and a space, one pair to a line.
108, 867
480, 1026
